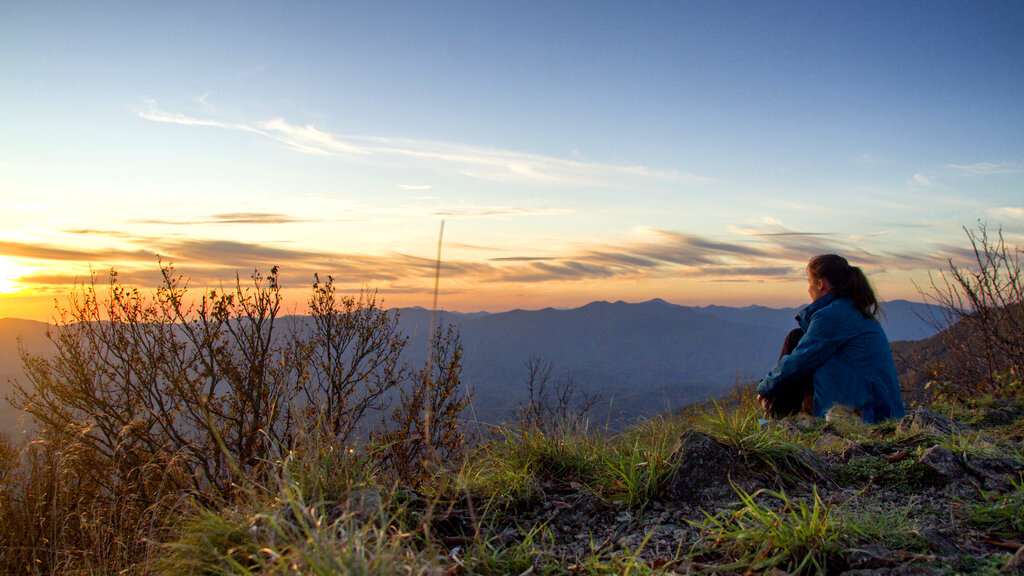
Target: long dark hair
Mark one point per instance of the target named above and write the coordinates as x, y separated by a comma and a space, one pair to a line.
847, 281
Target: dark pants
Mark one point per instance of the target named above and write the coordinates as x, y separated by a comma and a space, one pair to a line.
799, 396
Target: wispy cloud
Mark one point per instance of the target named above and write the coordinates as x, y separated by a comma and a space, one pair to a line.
232, 218
983, 168
870, 160
865, 250
1010, 212
483, 211
415, 186
40, 251
479, 162
768, 253
922, 179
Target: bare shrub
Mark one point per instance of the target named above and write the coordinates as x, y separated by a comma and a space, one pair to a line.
552, 402
151, 400
148, 381
353, 356
985, 307
424, 430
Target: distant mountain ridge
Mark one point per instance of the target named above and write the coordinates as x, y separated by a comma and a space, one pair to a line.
640, 358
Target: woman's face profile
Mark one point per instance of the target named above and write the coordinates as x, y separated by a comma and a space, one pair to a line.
817, 287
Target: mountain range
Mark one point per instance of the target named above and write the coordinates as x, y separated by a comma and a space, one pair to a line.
637, 358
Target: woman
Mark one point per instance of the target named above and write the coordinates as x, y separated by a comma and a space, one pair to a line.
839, 355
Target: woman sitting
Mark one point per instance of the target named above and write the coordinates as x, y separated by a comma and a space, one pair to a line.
839, 356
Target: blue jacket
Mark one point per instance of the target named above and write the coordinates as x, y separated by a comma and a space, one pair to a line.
850, 358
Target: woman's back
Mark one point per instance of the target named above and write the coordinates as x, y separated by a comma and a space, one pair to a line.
860, 372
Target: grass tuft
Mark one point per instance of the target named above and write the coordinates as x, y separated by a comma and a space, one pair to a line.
794, 536
1002, 514
766, 448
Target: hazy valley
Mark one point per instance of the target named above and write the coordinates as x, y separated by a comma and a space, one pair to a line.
638, 359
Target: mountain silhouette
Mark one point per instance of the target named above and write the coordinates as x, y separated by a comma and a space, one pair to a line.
640, 359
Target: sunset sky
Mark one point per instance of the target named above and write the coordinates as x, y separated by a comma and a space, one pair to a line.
698, 152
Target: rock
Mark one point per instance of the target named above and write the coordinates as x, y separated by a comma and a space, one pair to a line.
870, 557
939, 541
943, 463
995, 473
998, 417
829, 442
840, 413
704, 469
902, 570
1015, 565
804, 422
365, 504
852, 451
924, 420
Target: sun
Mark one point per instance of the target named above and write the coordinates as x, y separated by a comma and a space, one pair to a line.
9, 273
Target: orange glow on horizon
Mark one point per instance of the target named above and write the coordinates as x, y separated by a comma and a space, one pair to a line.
42, 304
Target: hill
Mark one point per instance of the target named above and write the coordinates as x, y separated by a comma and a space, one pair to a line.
640, 359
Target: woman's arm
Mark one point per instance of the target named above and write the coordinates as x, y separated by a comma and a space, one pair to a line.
825, 335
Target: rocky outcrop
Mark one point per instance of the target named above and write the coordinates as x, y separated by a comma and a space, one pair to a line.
705, 470
922, 419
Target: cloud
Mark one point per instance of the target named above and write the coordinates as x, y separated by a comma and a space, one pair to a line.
415, 186
308, 139
233, 218
483, 211
521, 259
870, 160
770, 252
984, 168
921, 179
864, 250
31, 251
1008, 212
154, 113
478, 162
27, 206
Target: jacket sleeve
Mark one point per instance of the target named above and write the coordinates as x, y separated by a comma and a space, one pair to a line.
823, 338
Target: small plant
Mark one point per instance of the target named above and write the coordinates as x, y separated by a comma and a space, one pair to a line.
488, 557
1002, 513
892, 527
797, 537
636, 476
767, 448
515, 464
905, 475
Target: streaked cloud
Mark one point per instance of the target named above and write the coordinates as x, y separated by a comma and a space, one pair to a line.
42, 251
982, 168
869, 250
870, 160
415, 186
232, 218
479, 162
1008, 212
922, 179
771, 252
483, 211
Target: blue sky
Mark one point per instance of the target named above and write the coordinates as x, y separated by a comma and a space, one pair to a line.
696, 151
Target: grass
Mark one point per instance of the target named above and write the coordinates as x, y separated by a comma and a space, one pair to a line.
635, 476
892, 527
769, 530
515, 465
905, 476
297, 518
768, 448
1002, 514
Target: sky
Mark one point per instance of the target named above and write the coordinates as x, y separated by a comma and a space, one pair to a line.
699, 152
